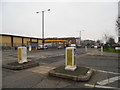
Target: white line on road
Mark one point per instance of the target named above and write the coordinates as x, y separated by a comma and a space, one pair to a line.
98, 86
109, 80
103, 71
106, 71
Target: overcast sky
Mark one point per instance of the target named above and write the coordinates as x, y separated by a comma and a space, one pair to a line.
65, 19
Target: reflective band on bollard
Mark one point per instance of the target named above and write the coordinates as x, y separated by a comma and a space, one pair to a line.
19, 54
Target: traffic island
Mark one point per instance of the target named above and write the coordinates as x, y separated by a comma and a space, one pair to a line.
70, 70
79, 74
22, 63
18, 66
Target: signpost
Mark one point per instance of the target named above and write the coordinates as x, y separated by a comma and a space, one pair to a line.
101, 50
29, 47
70, 58
85, 48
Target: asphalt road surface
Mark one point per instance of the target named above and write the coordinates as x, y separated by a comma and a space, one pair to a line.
106, 70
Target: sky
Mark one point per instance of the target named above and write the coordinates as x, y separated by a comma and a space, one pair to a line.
65, 19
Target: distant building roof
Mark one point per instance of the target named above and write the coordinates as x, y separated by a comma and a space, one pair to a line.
18, 36
65, 38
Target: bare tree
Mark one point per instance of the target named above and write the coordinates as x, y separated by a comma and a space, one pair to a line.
108, 38
105, 37
118, 29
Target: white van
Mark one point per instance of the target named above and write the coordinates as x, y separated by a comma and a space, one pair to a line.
73, 45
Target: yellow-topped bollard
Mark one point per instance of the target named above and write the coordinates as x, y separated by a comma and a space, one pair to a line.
22, 54
70, 58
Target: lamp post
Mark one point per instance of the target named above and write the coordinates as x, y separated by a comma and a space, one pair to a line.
80, 37
43, 26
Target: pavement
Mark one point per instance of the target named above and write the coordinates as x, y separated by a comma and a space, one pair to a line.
99, 53
105, 67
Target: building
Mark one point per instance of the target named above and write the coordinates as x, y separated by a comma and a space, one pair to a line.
9, 41
15, 41
88, 43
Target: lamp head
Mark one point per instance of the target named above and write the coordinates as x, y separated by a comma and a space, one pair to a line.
48, 9
37, 12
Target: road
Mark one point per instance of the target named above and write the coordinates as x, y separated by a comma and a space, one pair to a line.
106, 70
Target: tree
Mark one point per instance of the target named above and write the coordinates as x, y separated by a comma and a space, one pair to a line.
111, 40
98, 41
118, 29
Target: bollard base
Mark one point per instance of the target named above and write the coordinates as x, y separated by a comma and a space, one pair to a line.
72, 68
17, 66
80, 74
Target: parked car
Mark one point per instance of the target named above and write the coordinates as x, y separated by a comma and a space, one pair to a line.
95, 46
40, 47
92, 46
60, 47
98, 46
78, 46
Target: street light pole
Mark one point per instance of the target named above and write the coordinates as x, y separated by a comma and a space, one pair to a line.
43, 27
80, 37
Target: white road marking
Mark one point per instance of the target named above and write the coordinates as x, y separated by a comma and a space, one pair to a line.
109, 80
98, 86
106, 71
103, 71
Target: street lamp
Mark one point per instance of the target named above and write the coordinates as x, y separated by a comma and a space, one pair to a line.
43, 26
80, 37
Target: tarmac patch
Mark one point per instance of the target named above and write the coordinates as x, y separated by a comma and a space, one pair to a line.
42, 69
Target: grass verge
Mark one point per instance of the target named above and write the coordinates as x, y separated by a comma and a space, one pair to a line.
112, 50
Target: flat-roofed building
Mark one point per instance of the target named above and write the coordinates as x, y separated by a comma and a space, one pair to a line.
17, 41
